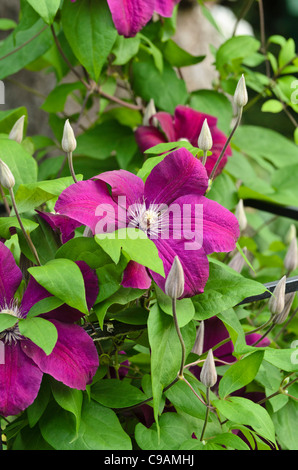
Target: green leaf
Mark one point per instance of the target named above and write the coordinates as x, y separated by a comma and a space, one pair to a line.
63, 278
115, 393
224, 289
133, 242
184, 307
84, 248
99, 429
182, 397
7, 320
237, 47
214, 103
9, 117
90, 31
240, 374
47, 9
41, 331
69, 399
56, 99
12, 221
286, 429
6, 24
240, 410
178, 57
22, 165
44, 306
125, 49
284, 359
272, 106
167, 90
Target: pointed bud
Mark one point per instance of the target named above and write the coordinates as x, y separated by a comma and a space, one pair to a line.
281, 317
69, 142
174, 286
205, 141
277, 300
208, 374
237, 262
290, 234
150, 110
291, 258
199, 342
6, 177
17, 131
240, 95
240, 215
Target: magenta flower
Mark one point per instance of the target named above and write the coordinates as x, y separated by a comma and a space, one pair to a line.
170, 208
74, 359
186, 124
130, 16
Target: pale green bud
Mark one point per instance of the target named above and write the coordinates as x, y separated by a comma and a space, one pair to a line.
290, 234
208, 374
205, 141
277, 300
199, 342
17, 131
240, 95
291, 258
281, 317
237, 262
69, 142
240, 215
174, 286
150, 110
6, 177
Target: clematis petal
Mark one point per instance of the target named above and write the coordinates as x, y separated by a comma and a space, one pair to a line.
61, 224
208, 223
219, 140
188, 123
166, 122
148, 136
136, 276
88, 202
10, 276
123, 183
165, 7
130, 16
74, 359
20, 380
195, 265
163, 186
35, 292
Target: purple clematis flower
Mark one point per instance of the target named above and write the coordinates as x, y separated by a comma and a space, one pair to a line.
130, 16
186, 124
170, 208
74, 359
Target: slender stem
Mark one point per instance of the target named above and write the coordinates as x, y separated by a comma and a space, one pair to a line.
207, 412
264, 335
70, 163
117, 100
285, 324
263, 36
192, 389
226, 144
243, 13
204, 160
28, 239
7, 208
180, 373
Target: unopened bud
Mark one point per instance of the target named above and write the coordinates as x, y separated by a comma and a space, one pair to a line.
240, 215
199, 342
277, 300
6, 177
174, 286
237, 262
291, 258
208, 374
205, 141
240, 95
290, 234
281, 317
69, 142
150, 110
17, 131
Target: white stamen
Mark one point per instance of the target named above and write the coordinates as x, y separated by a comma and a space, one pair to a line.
11, 334
149, 220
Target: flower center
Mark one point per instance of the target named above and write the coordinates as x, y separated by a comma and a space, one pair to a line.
11, 334
148, 220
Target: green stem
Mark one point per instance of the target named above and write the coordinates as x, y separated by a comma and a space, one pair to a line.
207, 413
180, 373
70, 164
28, 239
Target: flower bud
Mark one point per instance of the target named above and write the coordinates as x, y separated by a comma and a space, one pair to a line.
240, 95
149, 113
6, 177
174, 286
290, 234
240, 215
291, 258
199, 342
277, 300
17, 130
205, 141
69, 142
237, 262
208, 374
281, 317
